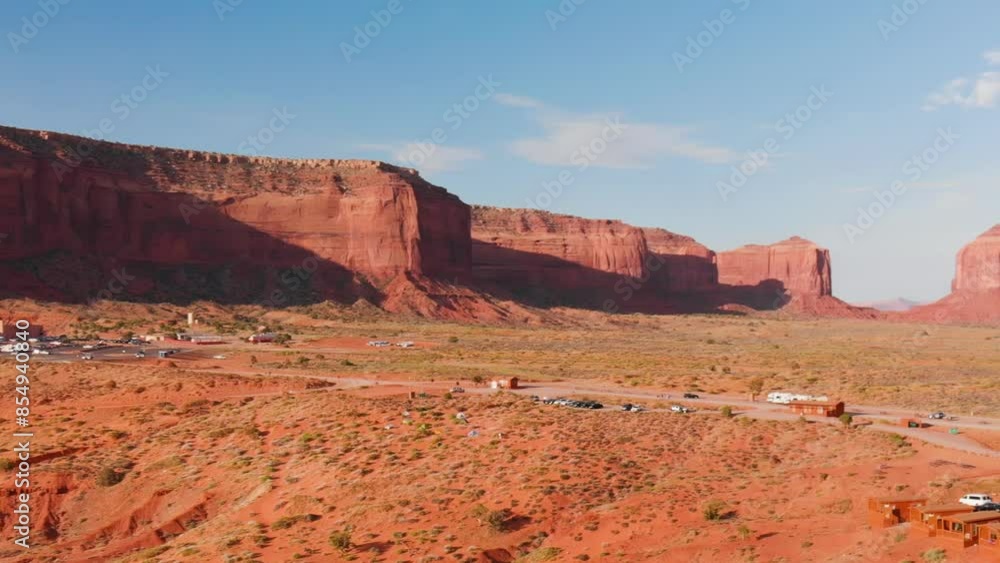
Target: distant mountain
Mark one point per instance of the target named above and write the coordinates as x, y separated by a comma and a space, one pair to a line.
892, 305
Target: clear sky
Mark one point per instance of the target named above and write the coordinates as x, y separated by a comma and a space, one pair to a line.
666, 99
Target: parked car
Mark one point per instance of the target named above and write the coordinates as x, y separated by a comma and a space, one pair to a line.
680, 409
86, 357
976, 499
937, 416
140, 354
535, 398
690, 396
457, 390
988, 507
627, 407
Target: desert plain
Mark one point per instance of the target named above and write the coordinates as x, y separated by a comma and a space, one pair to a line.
326, 449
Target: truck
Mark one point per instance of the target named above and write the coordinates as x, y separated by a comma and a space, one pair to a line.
784, 398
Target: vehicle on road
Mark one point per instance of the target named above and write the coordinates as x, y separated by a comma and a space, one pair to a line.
140, 354
691, 396
457, 390
937, 416
976, 499
680, 409
86, 357
988, 507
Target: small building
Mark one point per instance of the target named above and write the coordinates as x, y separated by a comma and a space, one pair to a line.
817, 408
511, 383
925, 517
884, 512
154, 338
964, 527
989, 538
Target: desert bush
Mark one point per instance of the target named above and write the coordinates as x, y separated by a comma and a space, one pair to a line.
936, 555
7, 464
713, 510
108, 477
727, 412
341, 539
846, 420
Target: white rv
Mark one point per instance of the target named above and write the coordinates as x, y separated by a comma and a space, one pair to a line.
783, 398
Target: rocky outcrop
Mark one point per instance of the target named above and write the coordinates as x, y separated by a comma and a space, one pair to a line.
685, 264
978, 267
347, 227
800, 266
975, 295
555, 247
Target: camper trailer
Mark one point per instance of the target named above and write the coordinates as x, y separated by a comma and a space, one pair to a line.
783, 398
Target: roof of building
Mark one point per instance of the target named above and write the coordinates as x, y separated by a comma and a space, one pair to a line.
973, 517
949, 507
816, 403
897, 500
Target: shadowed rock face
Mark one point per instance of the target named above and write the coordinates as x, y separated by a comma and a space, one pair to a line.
801, 266
366, 220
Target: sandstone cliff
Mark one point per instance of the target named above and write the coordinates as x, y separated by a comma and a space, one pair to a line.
348, 227
978, 267
975, 295
802, 267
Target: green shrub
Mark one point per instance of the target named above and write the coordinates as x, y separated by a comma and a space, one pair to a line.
341, 539
108, 477
713, 510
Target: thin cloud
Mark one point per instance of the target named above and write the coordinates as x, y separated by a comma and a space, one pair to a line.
622, 144
516, 101
980, 92
427, 158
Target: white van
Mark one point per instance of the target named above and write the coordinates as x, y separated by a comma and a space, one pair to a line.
975, 499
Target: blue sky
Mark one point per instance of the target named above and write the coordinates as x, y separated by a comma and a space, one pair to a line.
925, 83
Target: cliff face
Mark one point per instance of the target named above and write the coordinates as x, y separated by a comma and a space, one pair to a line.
975, 295
799, 265
524, 247
347, 222
686, 265
978, 265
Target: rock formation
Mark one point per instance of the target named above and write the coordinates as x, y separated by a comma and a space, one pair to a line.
978, 267
343, 227
802, 267
975, 295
